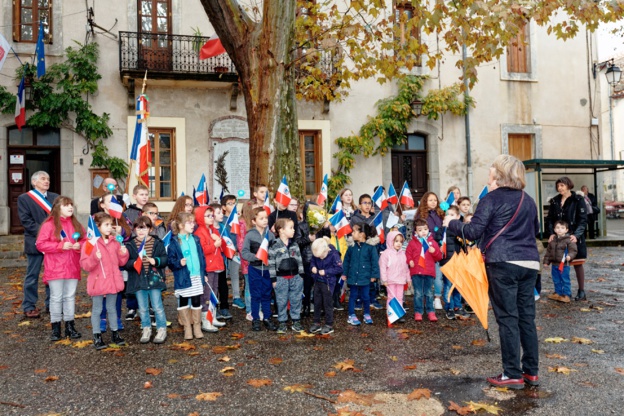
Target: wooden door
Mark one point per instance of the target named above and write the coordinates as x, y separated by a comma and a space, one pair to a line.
410, 166
312, 169
154, 22
521, 146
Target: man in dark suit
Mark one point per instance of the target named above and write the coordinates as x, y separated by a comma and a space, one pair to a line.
33, 208
592, 212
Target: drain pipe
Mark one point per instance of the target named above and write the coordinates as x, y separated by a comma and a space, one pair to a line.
467, 123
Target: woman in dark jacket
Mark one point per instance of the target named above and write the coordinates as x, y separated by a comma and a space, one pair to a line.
571, 208
512, 262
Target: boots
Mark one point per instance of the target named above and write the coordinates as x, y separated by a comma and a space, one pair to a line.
70, 330
184, 316
206, 325
117, 339
580, 295
97, 341
56, 332
217, 322
196, 316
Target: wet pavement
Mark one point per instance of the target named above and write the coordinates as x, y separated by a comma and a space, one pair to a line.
449, 358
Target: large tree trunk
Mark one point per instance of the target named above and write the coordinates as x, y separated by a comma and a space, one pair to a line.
262, 54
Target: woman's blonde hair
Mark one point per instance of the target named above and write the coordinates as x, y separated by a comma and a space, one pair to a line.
509, 172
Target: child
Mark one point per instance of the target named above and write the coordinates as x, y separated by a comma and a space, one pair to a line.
341, 246
211, 244
326, 267
283, 212
188, 264
393, 269
148, 284
453, 306
158, 224
182, 204
285, 269
259, 196
555, 255
102, 262
140, 193
360, 268
228, 202
464, 206
259, 276
430, 211
61, 261
423, 277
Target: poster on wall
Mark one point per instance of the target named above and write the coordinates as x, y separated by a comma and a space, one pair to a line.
230, 157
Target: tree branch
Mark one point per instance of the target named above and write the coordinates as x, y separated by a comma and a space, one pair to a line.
231, 23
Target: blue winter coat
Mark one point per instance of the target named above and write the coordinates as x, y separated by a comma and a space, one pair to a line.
332, 265
361, 264
181, 274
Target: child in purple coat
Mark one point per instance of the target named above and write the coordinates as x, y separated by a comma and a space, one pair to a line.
326, 266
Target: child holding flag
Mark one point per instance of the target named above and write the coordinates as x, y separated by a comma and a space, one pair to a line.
256, 252
449, 247
60, 238
146, 278
393, 269
430, 211
101, 257
422, 253
560, 251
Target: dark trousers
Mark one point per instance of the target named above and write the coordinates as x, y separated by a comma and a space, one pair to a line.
191, 302
373, 291
337, 291
323, 300
31, 283
359, 292
223, 291
260, 288
308, 282
511, 294
591, 226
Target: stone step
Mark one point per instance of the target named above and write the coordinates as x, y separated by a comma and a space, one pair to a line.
6, 263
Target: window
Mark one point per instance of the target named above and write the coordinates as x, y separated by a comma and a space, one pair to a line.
407, 32
162, 172
28, 136
519, 51
26, 17
521, 146
310, 145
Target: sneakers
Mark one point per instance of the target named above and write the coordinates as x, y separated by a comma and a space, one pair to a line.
161, 336
554, 296
255, 325
418, 317
580, 296
249, 317
282, 328
316, 328
238, 303
368, 320
269, 325
338, 306
437, 304
224, 314
461, 314
468, 309
432, 317
503, 381
131, 315
327, 330
353, 320
536, 294
450, 315
376, 305
530, 380
296, 326
146, 335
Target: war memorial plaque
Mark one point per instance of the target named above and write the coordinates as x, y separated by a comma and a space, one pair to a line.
230, 134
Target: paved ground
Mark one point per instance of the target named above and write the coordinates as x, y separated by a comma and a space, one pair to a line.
451, 359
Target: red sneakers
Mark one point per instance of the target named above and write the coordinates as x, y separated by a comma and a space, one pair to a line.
503, 381
530, 380
418, 317
432, 317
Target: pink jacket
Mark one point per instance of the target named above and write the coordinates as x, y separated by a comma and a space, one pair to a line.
59, 263
393, 266
104, 275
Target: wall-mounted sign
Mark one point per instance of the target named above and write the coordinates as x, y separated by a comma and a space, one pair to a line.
16, 160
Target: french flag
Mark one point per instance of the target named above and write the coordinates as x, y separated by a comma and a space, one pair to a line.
406, 196
443, 248
283, 193
336, 206
93, 233
232, 222
395, 311
322, 197
267, 205
167, 240
450, 199
138, 263
229, 250
423, 249
115, 209
343, 289
483, 193
392, 195
201, 194
379, 198
20, 106
339, 220
63, 235
563, 260
263, 251
141, 152
212, 306
378, 223
213, 47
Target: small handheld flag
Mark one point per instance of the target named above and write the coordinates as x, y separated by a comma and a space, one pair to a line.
263, 251
563, 260
211, 314
322, 197
483, 193
392, 195
379, 199
115, 209
450, 198
283, 193
395, 311
336, 206
232, 222
229, 250
63, 235
167, 240
138, 263
406, 196
378, 223
267, 205
423, 249
339, 220
92, 236
343, 289
201, 194
443, 248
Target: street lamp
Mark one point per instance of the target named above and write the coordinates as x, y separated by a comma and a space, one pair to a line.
613, 74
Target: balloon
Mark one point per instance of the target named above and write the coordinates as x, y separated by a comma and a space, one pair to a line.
444, 206
119, 238
110, 187
241, 193
76, 236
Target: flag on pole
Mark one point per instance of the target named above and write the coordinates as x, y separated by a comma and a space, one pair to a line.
93, 233
232, 222
339, 220
195, 202
283, 193
212, 306
423, 249
221, 195
63, 235
392, 195
167, 240
336, 206
395, 311
267, 205
229, 250
40, 52
322, 197
563, 260
450, 198
20, 106
115, 209
406, 196
263, 251
4, 50
201, 194
443, 248
379, 198
138, 263
378, 223
483, 193
211, 48
141, 152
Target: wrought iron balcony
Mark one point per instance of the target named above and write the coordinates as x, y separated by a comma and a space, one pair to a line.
171, 57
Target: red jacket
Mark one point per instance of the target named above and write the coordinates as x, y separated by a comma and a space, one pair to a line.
59, 263
413, 254
207, 238
104, 275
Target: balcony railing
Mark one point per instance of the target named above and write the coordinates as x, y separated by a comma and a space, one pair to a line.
171, 56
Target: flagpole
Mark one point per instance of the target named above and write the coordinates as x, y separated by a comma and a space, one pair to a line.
132, 160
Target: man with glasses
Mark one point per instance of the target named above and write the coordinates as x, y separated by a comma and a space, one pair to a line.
95, 203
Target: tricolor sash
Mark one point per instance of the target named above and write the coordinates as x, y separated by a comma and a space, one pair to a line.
40, 200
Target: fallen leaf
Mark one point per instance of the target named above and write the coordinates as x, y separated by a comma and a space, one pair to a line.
559, 356
350, 396
183, 346
83, 315
283, 337
24, 323
147, 385
259, 382
82, 344
454, 371
318, 348
394, 358
224, 359
51, 378
490, 408
417, 394
3, 367
194, 414
585, 341
193, 353
463, 411
173, 396
585, 310
560, 369
304, 335
228, 371
619, 370
233, 347
298, 387
219, 350
478, 342
345, 365
457, 347
41, 371
187, 376
208, 397
172, 361
330, 374
410, 367
275, 360
237, 335
597, 351
65, 341
153, 371
555, 340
